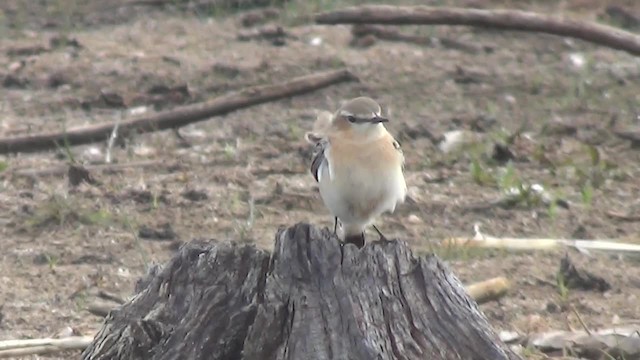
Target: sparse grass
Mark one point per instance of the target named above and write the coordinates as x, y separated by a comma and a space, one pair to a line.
230, 151
295, 132
418, 88
80, 300
66, 11
587, 172
562, 288
244, 228
480, 174
508, 181
587, 193
52, 260
450, 252
155, 200
133, 230
531, 353
62, 211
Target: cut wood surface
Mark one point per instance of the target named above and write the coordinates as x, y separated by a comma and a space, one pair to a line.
498, 19
488, 290
177, 117
310, 299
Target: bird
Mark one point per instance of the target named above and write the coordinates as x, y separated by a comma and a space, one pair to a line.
358, 165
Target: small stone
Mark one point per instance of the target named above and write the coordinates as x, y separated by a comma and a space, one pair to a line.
414, 219
552, 307
615, 320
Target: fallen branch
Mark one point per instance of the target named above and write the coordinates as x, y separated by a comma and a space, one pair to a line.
480, 240
15, 348
266, 32
100, 308
177, 117
488, 290
631, 133
499, 19
622, 216
542, 244
259, 16
384, 33
103, 294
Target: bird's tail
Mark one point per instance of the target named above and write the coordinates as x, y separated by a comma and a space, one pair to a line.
353, 234
323, 122
320, 127
356, 239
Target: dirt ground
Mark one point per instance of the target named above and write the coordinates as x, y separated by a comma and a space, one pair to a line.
240, 176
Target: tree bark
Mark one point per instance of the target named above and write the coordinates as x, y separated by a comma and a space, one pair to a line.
310, 299
497, 19
176, 117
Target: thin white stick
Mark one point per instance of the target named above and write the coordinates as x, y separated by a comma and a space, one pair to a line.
112, 140
543, 244
13, 348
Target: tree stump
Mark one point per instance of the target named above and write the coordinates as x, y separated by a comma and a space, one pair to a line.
310, 299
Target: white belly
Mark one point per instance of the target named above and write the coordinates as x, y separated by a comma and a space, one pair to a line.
358, 197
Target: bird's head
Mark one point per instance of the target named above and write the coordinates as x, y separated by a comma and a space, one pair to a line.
361, 115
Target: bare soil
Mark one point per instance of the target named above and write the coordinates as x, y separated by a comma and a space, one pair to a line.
239, 177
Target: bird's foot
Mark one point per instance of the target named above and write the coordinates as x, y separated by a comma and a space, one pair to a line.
382, 237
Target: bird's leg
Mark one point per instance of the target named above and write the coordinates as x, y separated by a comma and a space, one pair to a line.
382, 237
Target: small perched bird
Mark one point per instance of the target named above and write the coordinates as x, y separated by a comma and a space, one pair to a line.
358, 166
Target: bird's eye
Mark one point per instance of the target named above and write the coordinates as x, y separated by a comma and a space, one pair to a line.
351, 118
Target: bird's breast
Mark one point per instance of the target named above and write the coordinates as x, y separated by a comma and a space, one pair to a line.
367, 179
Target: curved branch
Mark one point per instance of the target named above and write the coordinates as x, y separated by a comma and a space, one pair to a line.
499, 19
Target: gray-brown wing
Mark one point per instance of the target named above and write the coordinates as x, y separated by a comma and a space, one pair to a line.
318, 158
396, 145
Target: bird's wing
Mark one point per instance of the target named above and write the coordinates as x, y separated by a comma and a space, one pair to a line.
398, 148
319, 158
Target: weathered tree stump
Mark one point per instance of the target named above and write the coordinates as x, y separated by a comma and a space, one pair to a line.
307, 300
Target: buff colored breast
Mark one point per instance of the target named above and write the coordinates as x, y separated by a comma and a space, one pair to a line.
367, 179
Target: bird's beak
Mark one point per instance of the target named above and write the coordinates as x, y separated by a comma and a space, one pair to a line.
379, 119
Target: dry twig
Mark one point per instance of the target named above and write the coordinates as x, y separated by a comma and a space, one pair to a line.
111, 297
180, 116
384, 33
622, 216
485, 241
100, 308
498, 19
15, 348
